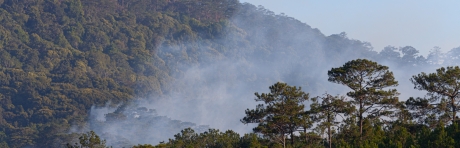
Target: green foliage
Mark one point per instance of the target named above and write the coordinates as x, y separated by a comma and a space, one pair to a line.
282, 115
436, 138
212, 138
367, 79
326, 113
398, 136
444, 83
89, 140
251, 141
58, 58
374, 133
149, 146
3, 142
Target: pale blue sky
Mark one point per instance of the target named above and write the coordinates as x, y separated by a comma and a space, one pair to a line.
422, 24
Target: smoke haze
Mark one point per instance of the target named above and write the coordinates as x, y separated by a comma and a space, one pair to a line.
214, 91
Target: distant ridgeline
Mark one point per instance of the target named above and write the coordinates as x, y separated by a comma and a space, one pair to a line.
60, 57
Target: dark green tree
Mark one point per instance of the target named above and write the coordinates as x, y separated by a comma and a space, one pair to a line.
89, 140
438, 137
367, 79
251, 140
212, 138
149, 146
444, 83
3, 139
428, 111
187, 137
327, 111
281, 114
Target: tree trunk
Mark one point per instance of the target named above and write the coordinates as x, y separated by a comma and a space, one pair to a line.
330, 139
360, 120
361, 127
454, 109
329, 128
284, 141
305, 131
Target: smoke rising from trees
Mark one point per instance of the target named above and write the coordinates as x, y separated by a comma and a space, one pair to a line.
215, 79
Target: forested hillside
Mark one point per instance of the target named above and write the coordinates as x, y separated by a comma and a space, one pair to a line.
59, 58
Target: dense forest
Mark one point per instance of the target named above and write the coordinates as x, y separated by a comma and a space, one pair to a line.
60, 59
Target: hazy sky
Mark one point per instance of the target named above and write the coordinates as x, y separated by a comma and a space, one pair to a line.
421, 24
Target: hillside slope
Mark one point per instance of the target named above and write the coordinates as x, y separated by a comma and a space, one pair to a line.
61, 57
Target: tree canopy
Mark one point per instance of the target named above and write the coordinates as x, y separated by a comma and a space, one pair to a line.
367, 79
281, 114
444, 83
326, 113
59, 58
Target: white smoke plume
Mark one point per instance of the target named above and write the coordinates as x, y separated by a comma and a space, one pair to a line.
214, 92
